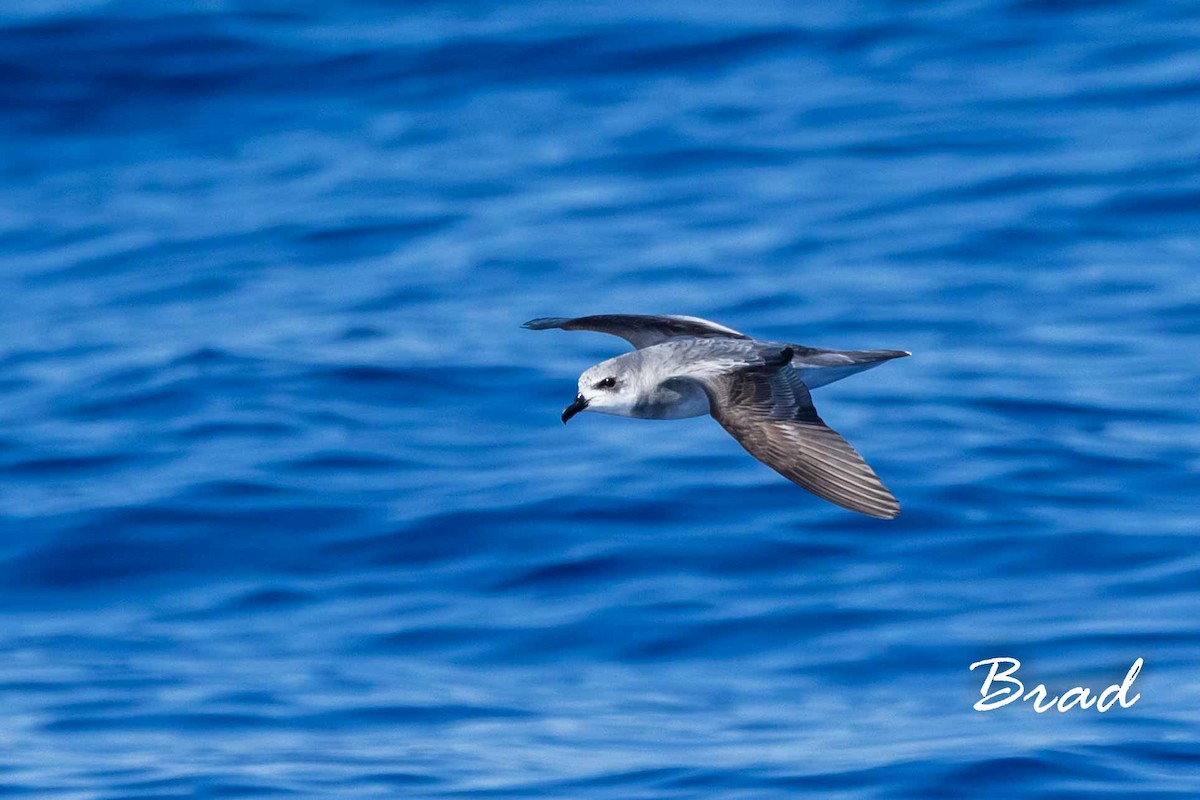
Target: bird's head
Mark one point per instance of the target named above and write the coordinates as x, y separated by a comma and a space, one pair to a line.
607, 388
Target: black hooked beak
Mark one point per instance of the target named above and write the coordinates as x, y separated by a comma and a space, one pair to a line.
579, 405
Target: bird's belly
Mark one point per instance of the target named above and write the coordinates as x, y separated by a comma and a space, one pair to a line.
674, 403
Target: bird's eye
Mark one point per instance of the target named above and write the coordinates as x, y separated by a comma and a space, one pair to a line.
607, 383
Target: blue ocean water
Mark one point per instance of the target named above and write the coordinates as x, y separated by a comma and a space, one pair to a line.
286, 506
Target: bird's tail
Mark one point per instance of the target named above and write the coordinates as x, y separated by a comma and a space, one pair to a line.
820, 367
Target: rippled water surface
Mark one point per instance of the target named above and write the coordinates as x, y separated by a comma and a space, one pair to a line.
286, 505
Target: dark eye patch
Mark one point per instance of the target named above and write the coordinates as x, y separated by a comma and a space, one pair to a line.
607, 383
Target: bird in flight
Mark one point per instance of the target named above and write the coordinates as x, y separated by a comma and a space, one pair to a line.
758, 391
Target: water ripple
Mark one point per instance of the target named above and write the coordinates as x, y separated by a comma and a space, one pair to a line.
288, 507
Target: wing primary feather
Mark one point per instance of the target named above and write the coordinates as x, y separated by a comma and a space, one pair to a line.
544, 323
640, 330
769, 410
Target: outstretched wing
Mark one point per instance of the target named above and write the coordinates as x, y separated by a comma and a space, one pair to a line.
640, 330
769, 410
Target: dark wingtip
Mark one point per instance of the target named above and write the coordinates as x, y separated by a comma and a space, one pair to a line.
889, 510
877, 510
542, 323
890, 513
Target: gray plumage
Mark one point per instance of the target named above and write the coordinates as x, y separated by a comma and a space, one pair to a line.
758, 391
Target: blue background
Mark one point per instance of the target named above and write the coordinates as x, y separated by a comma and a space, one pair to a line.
286, 505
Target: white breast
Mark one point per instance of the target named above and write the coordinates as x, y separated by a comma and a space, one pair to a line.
674, 400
